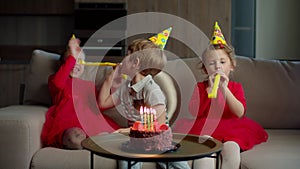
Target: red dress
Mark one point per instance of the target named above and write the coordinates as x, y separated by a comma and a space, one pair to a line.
213, 117
74, 105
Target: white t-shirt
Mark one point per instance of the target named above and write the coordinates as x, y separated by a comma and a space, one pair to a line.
144, 93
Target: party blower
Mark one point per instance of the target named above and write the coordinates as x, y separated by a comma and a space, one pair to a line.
97, 63
214, 91
124, 76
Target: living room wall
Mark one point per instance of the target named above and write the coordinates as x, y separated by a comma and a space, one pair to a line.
46, 24
277, 29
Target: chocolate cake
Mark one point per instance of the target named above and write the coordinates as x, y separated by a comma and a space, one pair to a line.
157, 139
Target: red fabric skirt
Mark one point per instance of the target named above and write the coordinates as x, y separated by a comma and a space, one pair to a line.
244, 131
57, 122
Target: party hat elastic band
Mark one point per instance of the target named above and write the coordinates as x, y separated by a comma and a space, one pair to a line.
161, 38
217, 37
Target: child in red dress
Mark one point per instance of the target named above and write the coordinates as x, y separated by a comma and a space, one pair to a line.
223, 117
75, 113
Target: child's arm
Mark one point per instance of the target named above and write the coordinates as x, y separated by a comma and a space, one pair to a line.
233, 103
112, 82
61, 76
105, 99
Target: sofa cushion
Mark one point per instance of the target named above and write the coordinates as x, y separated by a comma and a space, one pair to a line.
282, 150
185, 73
169, 88
52, 158
42, 64
272, 91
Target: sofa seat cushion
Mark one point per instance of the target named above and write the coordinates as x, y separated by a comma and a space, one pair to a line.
282, 150
54, 158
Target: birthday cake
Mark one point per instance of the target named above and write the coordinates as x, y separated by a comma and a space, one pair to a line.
157, 140
149, 136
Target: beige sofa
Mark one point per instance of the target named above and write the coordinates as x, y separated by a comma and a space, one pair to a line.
271, 88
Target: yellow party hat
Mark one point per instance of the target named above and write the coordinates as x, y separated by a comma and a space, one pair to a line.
161, 38
217, 37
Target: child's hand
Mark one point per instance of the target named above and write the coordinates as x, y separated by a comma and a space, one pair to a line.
74, 48
211, 80
115, 79
122, 130
223, 80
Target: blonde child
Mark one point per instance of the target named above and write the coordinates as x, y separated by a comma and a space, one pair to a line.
143, 62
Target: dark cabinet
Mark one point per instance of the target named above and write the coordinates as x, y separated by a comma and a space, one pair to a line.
94, 25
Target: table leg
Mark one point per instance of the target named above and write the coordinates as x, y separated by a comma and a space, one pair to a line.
92, 160
167, 165
217, 159
129, 164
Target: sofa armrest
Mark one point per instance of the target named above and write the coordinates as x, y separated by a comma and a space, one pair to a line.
20, 129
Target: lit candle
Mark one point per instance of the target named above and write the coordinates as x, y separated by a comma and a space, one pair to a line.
141, 113
148, 118
151, 119
145, 118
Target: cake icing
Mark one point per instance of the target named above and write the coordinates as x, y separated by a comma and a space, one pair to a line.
158, 139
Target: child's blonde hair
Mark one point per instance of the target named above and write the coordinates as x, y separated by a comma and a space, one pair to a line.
152, 58
228, 49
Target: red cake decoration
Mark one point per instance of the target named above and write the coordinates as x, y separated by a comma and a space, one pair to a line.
147, 136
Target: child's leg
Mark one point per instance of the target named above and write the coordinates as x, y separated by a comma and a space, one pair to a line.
174, 165
124, 165
204, 163
73, 137
231, 156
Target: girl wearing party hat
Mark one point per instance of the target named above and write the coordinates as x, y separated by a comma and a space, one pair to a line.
223, 115
74, 103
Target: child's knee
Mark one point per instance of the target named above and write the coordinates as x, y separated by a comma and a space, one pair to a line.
231, 146
73, 137
230, 155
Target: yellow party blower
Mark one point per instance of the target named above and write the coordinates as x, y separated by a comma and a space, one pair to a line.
214, 90
124, 76
97, 63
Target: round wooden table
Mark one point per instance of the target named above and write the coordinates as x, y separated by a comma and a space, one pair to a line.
189, 148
